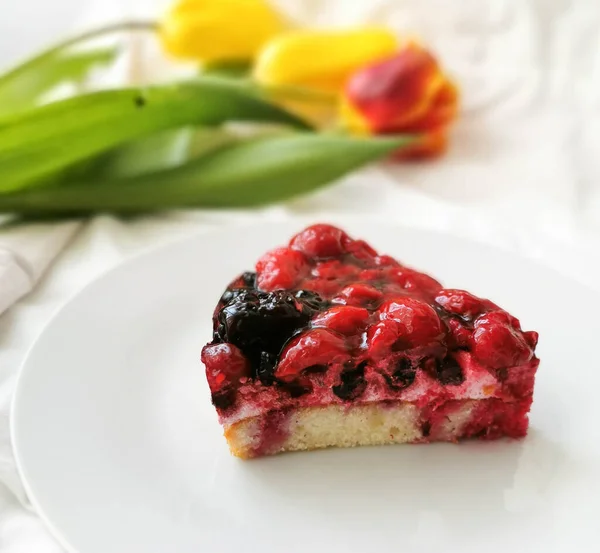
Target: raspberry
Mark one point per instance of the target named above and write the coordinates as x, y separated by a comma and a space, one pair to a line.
358, 294
345, 319
280, 268
314, 347
319, 241
225, 365
419, 323
497, 344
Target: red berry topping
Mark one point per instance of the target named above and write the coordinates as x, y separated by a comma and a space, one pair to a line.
419, 323
371, 275
225, 365
314, 347
360, 250
460, 336
502, 317
497, 344
344, 319
334, 270
330, 312
382, 336
322, 286
358, 294
319, 241
531, 338
280, 269
386, 261
460, 302
415, 281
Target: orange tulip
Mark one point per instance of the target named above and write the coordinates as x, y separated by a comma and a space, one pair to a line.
404, 94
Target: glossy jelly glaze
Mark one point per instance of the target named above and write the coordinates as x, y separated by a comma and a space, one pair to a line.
327, 319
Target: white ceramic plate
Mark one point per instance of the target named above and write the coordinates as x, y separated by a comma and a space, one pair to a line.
120, 449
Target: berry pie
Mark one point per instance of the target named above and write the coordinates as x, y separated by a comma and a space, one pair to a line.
329, 344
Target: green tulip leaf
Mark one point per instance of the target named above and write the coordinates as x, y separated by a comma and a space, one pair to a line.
23, 88
249, 173
46, 139
232, 69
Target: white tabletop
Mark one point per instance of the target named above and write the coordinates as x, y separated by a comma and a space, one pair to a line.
523, 171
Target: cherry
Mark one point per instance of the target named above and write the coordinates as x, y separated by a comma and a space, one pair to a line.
358, 294
319, 241
459, 336
344, 319
497, 344
415, 281
371, 275
386, 261
464, 304
531, 338
225, 365
419, 323
334, 270
360, 250
460, 303
314, 347
382, 336
281, 268
324, 287
502, 317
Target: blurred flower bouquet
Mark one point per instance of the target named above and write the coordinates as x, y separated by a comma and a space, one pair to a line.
321, 103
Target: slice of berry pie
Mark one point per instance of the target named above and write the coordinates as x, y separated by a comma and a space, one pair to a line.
331, 344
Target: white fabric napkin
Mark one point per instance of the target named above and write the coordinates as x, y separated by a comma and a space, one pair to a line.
26, 252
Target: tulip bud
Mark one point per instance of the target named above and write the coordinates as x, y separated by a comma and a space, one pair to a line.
321, 60
405, 94
219, 30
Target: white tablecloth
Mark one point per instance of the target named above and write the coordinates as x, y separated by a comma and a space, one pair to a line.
523, 173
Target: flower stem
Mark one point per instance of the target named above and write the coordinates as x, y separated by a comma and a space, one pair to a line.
292, 92
82, 37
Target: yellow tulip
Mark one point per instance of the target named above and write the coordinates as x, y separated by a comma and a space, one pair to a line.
321, 59
219, 30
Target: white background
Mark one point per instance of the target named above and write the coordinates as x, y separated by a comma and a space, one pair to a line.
530, 75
